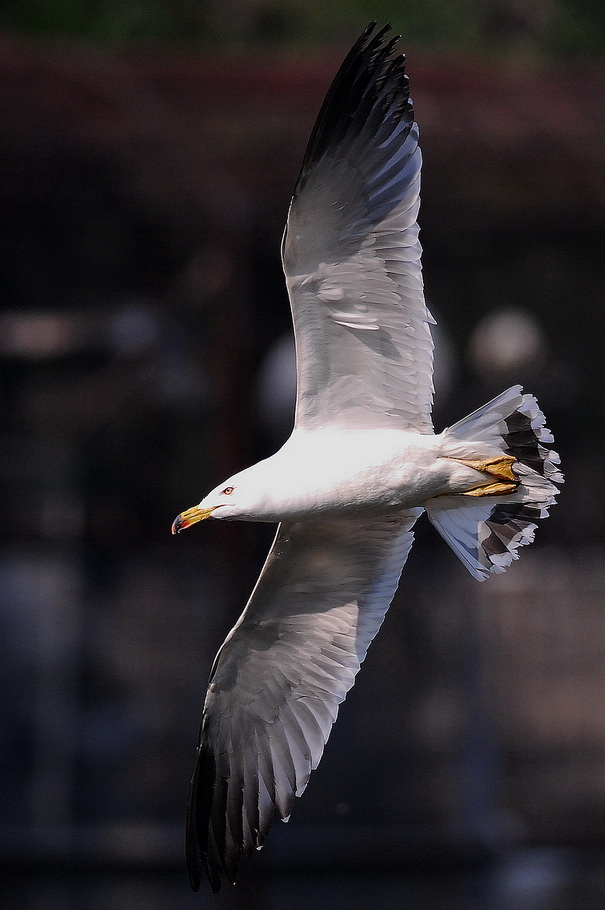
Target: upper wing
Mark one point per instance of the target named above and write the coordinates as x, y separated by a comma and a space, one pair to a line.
351, 253
280, 676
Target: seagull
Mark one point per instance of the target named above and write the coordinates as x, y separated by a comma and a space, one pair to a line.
362, 464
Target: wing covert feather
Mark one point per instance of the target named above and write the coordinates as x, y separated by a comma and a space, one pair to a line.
280, 676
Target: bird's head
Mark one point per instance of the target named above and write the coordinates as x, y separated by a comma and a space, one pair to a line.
245, 496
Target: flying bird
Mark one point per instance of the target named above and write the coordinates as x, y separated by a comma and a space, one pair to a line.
361, 465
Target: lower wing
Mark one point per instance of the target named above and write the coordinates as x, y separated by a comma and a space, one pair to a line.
280, 676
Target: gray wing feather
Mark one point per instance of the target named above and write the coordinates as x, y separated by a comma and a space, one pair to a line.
352, 256
281, 675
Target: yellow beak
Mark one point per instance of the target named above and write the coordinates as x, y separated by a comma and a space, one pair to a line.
190, 517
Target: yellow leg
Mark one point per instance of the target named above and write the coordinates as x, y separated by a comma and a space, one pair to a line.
492, 489
500, 468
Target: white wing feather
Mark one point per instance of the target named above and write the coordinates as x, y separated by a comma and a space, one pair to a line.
351, 255
280, 676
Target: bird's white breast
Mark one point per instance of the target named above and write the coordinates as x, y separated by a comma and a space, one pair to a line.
366, 471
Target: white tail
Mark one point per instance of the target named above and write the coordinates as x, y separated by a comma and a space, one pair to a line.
486, 532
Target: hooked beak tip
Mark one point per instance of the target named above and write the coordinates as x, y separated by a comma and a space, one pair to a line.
190, 517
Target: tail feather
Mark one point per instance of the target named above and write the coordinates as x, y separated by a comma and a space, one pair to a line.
486, 533
526, 439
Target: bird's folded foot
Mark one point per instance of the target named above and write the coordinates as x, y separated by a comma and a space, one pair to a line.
492, 489
499, 470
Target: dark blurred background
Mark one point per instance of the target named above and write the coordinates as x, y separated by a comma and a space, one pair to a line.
147, 155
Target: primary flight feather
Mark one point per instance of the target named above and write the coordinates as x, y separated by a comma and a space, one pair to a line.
361, 465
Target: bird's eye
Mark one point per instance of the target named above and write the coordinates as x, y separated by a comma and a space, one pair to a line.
227, 491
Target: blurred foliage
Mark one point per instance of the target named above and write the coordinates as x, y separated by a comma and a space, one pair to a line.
539, 28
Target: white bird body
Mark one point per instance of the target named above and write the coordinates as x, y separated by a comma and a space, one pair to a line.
343, 472
362, 464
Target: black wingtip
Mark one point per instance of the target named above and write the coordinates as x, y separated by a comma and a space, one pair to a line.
198, 819
195, 864
370, 79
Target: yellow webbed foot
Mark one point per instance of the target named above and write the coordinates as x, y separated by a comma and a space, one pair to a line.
492, 489
499, 470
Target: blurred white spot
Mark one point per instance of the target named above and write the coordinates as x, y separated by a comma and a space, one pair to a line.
133, 330
276, 387
506, 340
37, 335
